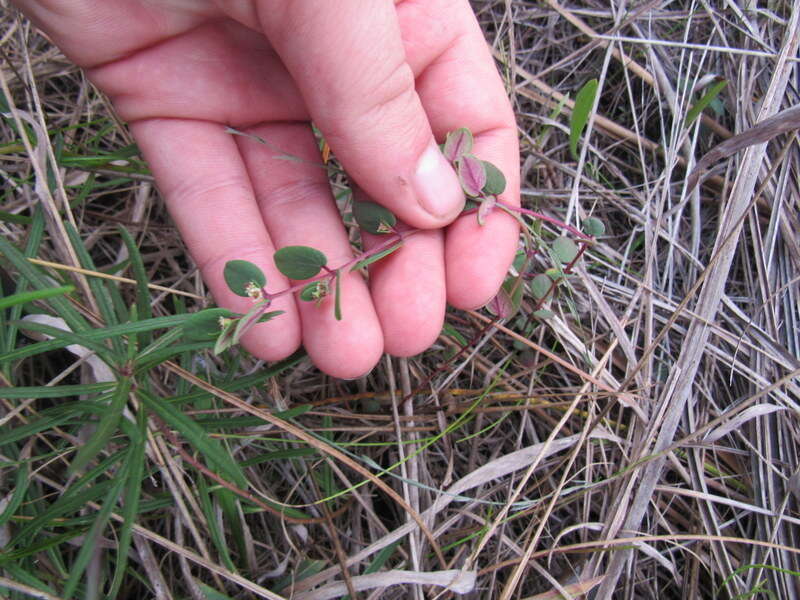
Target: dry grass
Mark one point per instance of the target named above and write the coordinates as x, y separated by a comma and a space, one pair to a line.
641, 443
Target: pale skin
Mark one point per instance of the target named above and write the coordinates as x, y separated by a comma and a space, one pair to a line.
382, 81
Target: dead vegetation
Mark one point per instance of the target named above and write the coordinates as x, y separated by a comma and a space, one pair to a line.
640, 443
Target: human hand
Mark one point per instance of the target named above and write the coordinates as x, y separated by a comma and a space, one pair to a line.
381, 81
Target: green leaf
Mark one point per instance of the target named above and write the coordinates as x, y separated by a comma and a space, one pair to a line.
373, 218
457, 144
131, 500
299, 262
543, 313
541, 286
205, 325
218, 457
256, 314
471, 174
225, 338
105, 428
593, 226
704, 101
210, 593
507, 301
337, 303
242, 276
376, 257
81, 562
495, 180
580, 114
25, 297
565, 249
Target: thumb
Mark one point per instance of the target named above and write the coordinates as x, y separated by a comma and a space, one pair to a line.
348, 61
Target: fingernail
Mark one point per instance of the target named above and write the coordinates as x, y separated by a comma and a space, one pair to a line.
436, 184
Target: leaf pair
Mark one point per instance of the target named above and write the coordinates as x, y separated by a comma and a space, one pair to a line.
296, 262
479, 178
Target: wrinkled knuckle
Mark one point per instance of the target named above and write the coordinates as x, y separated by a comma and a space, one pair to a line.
294, 193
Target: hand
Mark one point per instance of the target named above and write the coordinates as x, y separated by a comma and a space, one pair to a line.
381, 81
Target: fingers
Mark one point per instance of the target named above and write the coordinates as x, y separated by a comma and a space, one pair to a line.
297, 207
209, 195
348, 60
408, 290
459, 86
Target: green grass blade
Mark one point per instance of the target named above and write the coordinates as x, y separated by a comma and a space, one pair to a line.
216, 455
38, 281
78, 567
55, 391
69, 338
140, 274
25, 297
584, 102
214, 531
18, 495
704, 101
101, 289
105, 428
131, 502
95, 335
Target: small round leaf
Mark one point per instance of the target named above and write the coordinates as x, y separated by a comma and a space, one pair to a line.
593, 227
242, 275
299, 262
373, 218
205, 325
495, 180
565, 249
541, 286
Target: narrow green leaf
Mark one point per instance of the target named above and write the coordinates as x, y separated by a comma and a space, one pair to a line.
54, 391
105, 428
337, 302
204, 325
373, 218
565, 249
210, 593
132, 497
143, 310
29, 272
256, 314
19, 488
704, 101
225, 337
495, 180
584, 102
217, 456
299, 262
376, 257
215, 532
87, 550
25, 297
242, 277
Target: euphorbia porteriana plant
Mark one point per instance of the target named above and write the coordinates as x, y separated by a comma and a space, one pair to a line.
482, 183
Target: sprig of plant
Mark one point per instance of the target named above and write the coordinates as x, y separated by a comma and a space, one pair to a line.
482, 183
